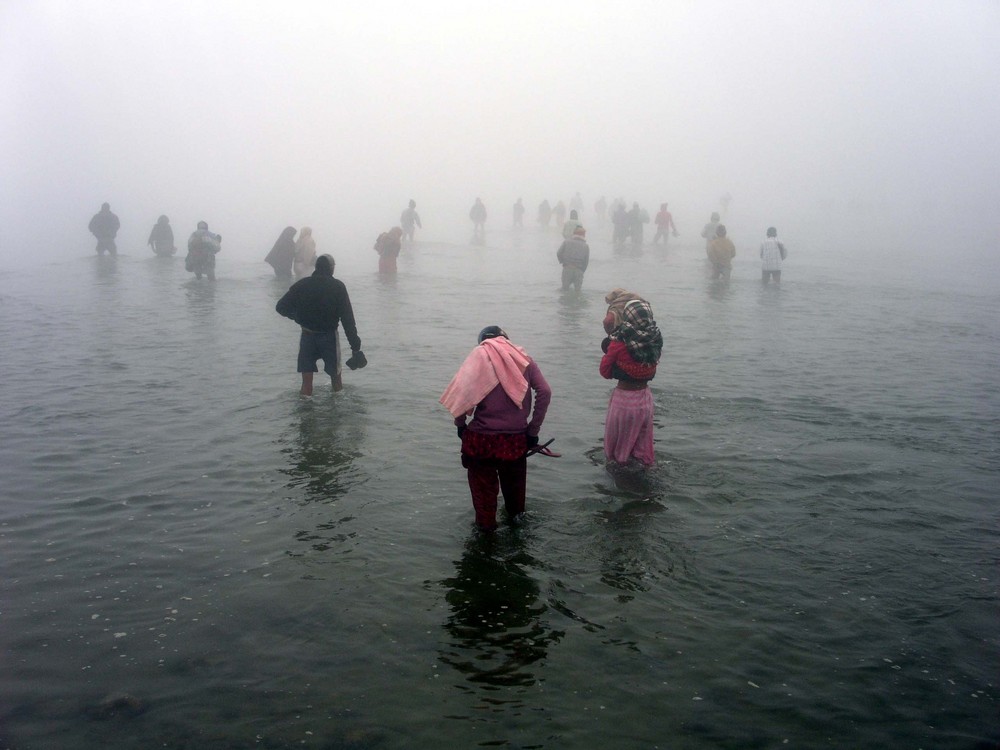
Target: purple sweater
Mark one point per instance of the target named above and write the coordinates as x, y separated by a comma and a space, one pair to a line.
497, 413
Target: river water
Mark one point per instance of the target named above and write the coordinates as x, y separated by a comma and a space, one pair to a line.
196, 557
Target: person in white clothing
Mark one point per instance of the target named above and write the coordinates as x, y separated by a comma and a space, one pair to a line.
772, 253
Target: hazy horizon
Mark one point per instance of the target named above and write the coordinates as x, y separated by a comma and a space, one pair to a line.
862, 120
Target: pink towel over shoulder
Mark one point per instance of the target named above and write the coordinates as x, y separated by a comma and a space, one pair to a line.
494, 362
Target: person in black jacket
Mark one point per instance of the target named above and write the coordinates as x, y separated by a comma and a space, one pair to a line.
319, 303
104, 226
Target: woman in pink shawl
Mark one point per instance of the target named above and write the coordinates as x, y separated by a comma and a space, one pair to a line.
494, 387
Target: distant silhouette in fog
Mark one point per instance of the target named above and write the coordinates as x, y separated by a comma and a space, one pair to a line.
161, 239
282, 255
104, 225
721, 253
478, 215
387, 245
518, 213
664, 225
708, 231
409, 220
203, 246
544, 213
772, 253
574, 256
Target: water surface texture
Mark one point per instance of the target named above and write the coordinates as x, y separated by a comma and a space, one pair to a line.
196, 557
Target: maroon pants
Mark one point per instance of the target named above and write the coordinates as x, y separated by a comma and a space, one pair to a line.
495, 463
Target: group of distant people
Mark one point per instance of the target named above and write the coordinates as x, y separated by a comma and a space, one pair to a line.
498, 398
720, 251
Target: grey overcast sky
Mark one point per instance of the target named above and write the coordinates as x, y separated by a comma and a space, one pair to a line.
824, 116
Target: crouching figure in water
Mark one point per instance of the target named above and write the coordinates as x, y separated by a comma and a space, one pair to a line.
494, 387
631, 353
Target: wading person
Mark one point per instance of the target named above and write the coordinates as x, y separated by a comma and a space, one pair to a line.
388, 246
708, 231
494, 386
664, 225
319, 304
574, 255
478, 215
282, 255
410, 219
772, 253
104, 225
161, 239
721, 252
631, 353
203, 246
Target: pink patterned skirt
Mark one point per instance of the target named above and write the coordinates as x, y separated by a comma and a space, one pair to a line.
628, 428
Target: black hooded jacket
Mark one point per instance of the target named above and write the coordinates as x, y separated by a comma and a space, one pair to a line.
319, 303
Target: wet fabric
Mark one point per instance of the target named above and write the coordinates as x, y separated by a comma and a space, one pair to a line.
628, 428
316, 346
495, 463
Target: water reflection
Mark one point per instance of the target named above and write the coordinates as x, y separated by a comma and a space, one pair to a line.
327, 441
200, 298
105, 269
496, 626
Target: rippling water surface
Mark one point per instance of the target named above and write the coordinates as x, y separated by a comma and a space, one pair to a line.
195, 557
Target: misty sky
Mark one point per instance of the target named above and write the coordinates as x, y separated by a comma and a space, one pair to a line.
256, 115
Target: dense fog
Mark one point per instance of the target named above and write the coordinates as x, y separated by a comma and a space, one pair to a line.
856, 127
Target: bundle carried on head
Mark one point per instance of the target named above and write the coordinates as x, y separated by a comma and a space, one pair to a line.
630, 320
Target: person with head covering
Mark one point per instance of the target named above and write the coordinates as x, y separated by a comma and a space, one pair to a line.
574, 256
305, 253
721, 252
772, 253
494, 386
571, 224
631, 353
203, 246
161, 239
410, 219
664, 224
104, 225
282, 255
388, 246
708, 231
320, 304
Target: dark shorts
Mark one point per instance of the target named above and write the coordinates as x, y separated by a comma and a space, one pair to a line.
316, 346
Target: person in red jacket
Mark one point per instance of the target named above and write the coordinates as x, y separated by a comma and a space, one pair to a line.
631, 354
